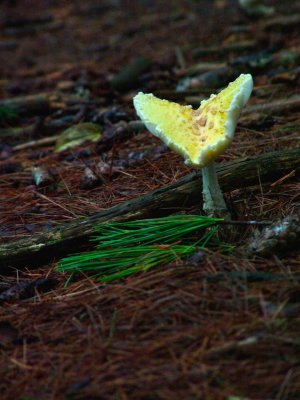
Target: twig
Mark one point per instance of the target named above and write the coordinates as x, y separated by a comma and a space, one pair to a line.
251, 223
200, 68
238, 47
284, 21
180, 57
36, 143
274, 107
232, 346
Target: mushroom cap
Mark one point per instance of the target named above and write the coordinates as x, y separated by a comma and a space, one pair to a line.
198, 135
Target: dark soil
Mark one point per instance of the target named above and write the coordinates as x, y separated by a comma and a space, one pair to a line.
224, 327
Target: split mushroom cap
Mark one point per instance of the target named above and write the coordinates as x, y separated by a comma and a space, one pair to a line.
198, 135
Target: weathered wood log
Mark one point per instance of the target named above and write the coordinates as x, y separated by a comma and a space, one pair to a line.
282, 23
226, 48
36, 103
128, 77
44, 247
200, 68
275, 107
33, 29
278, 107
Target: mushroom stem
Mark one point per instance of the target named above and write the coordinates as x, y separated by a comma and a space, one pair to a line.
213, 200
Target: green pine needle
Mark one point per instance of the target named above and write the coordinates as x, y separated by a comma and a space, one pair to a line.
123, 248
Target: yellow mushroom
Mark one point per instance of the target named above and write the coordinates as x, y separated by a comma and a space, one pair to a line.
198, 135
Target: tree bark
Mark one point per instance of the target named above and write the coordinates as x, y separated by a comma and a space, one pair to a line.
68, 238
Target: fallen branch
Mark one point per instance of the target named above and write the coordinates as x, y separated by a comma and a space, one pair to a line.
246, 45
46, 141
275, 107
67, 238
257, 111
35, 103
284, 22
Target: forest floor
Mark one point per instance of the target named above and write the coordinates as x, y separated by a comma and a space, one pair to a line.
223, 327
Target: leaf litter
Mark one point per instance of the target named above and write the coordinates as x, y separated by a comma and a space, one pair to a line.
218, 327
